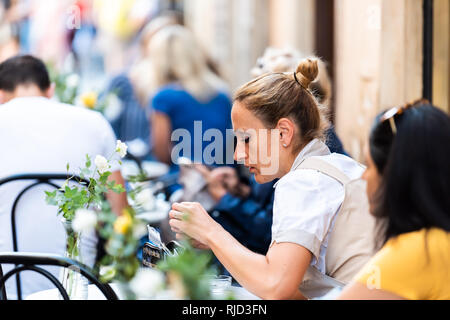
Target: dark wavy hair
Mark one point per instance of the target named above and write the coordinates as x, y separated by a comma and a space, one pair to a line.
414, 164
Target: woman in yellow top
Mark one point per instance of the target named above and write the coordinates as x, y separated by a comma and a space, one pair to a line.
408, 185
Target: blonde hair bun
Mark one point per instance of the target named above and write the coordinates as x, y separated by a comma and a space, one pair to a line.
307, 71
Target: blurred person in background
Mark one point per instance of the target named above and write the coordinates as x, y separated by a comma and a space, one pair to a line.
408, 183
285, 60
186, 91
133, 87
83, 43
49, 34
19, 15
40, 135
118, 23
9, 37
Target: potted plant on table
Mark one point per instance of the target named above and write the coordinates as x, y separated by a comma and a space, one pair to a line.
83, 208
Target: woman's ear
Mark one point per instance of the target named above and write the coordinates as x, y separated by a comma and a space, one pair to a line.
287, 131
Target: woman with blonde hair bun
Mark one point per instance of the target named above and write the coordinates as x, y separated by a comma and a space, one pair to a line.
321, 226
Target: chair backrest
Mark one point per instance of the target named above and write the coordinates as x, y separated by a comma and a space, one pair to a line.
35, 180
31, 261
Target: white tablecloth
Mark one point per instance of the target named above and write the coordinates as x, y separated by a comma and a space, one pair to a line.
95, 294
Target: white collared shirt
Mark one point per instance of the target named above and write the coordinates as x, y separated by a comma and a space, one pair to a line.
306, 202
41, 136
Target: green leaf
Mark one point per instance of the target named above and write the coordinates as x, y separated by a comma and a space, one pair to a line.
92, 183
51, 194
118, 188
192, 265
85, 172
104, 177
88, 161
100, 189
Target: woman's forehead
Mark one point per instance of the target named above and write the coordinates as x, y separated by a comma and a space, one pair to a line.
243, 119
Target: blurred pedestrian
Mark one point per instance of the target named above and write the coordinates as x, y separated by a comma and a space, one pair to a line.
118, 23
187, 92
9, 37
133, 86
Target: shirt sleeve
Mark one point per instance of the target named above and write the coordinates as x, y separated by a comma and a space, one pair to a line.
306, 202
163, 102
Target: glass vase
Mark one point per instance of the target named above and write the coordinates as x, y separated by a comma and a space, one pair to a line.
71, 279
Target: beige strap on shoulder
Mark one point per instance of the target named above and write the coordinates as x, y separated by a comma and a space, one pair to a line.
315, 163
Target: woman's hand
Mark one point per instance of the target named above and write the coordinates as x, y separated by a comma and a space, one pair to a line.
277, 275
195, 243
191, 219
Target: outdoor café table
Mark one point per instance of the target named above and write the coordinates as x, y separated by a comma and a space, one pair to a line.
95, 294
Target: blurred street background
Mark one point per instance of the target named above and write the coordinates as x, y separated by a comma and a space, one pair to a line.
378, 53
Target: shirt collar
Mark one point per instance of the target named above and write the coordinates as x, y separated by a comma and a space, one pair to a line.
27, 98
314, 148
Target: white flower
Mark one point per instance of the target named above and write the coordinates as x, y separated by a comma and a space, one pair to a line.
121, 148
84, 221
101, 164
146, 283
72, 80
145, 199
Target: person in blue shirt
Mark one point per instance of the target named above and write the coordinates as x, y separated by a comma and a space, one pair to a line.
190, 100
133, 88
132, 121
176, 108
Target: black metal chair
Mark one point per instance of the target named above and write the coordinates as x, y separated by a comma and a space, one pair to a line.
36, 179
31, 261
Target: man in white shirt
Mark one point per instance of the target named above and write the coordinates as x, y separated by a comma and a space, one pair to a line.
39, 135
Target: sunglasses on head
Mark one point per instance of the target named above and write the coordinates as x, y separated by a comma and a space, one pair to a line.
393, 112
